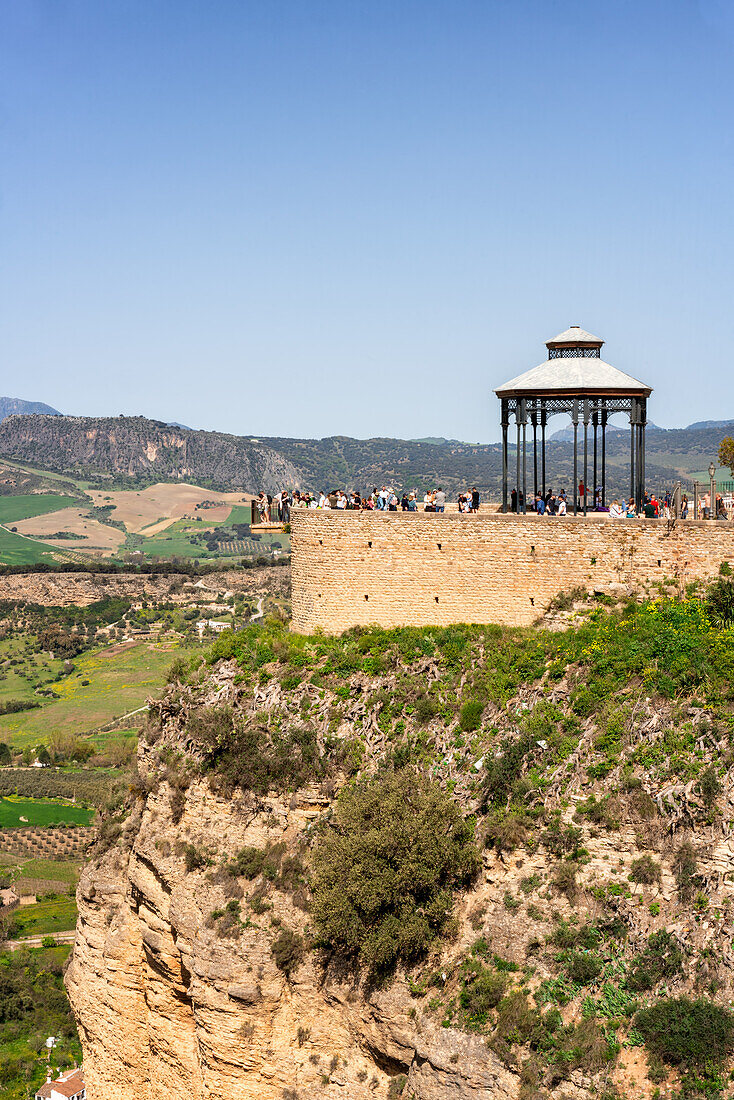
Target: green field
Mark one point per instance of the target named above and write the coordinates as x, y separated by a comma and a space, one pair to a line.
21, 671
16, 550
32, 504
20, 812
62, 870
50, 915
120, 680
175, 542
241, 513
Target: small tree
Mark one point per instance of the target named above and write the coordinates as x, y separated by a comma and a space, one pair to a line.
726, 453
384, 869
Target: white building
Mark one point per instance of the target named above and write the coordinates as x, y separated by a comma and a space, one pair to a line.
69, 1086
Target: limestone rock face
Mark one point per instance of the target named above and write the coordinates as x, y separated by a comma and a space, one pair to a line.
168, 1008
81, 589
174, 980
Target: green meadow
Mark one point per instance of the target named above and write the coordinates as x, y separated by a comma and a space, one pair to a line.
104, 684
22, 812
56, 914
32, 504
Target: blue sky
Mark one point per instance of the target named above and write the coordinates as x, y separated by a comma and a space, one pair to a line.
315, 217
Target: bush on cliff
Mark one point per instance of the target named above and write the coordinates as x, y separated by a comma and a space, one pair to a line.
252, 755
385, 866
694, 1035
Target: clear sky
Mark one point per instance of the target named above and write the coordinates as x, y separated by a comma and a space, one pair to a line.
316, 217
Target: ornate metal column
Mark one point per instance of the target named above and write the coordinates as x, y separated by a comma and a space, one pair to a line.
517, 463
633, 424
524, 458
604, 417
543, 419
575, 419
594, 422
505, 422
642, 406
534, 420
586, 452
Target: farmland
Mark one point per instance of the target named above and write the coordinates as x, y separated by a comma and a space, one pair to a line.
52, 914
15, 812
28, 505
17, 550
105, 684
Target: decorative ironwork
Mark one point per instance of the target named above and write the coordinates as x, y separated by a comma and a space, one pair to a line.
552, 405
580, 351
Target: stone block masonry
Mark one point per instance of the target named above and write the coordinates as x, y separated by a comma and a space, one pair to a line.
423, 568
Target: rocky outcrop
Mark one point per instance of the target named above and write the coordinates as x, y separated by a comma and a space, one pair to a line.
133, 446
81, 589
166, 1007
174, 999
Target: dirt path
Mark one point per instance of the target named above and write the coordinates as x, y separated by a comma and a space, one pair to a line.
36, 941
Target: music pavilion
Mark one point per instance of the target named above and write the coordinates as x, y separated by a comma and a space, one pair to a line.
574, 380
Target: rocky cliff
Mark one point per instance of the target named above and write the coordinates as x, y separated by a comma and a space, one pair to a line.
134, 447
602, 810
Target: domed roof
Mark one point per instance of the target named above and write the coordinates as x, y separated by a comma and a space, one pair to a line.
574, 375
574, 335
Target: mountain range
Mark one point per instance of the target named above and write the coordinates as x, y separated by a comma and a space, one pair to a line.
15, 406
133, 451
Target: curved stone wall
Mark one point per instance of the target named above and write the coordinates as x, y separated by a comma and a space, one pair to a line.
422, 568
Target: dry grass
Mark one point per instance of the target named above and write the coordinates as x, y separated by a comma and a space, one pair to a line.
91, 534
152, 510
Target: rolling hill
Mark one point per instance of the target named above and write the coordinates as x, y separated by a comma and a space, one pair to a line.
130, 452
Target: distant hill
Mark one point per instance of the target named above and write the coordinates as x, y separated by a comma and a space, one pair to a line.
566, 434
114, 449
720, 424
134, 451
14, 406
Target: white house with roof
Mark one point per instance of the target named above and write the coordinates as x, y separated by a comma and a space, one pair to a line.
68, 1086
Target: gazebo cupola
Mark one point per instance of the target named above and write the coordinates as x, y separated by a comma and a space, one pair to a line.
574, 343
574, 380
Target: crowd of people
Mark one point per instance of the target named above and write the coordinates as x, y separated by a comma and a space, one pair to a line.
277, 509
664, 507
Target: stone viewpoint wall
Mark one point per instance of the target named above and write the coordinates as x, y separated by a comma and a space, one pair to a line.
418, 568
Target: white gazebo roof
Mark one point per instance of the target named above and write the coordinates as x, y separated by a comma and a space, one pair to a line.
574, 335
574, 375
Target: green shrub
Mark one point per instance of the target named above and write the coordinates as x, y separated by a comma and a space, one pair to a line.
396, 1086
249, 863
645, 871
661, 959
583, 967
426, 708
288, 951
709, 787
482, 989
250, 754
720, 602
195, 859
690, 1034
470, 717
383, 871
685, 867
505, 830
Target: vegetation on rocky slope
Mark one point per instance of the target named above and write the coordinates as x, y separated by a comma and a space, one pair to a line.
589, 766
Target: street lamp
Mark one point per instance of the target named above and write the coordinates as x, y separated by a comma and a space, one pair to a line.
712, 499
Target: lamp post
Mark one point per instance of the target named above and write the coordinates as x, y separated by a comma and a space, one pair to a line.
712, 488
